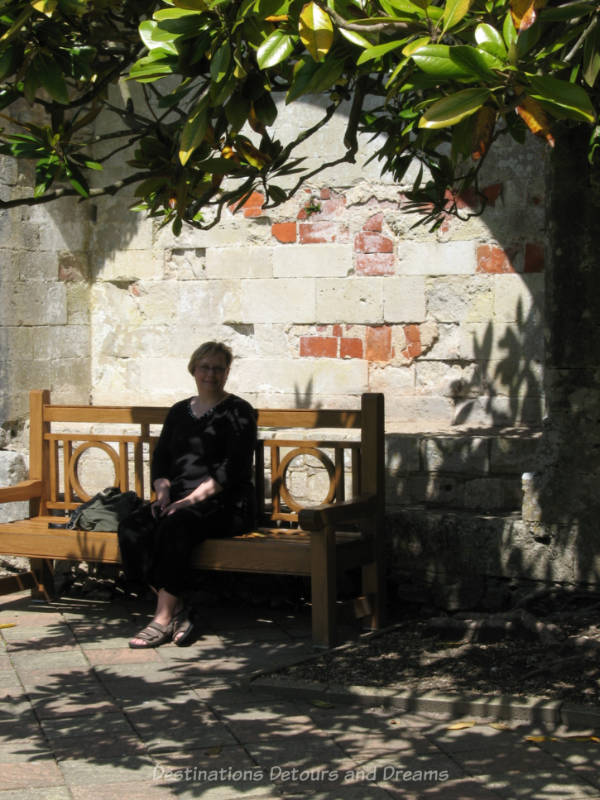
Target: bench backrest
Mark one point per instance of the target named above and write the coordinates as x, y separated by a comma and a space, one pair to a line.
351, 451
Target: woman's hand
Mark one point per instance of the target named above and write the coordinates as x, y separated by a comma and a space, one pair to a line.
162, 488
206, 489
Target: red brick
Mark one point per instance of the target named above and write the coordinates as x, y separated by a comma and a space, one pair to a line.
379, 343
374, 223
318, 232
534, 257
284, 232
318, 346
370, 242
327, 204
493, 260
336, 330
375, 263
351, 348
413, 347
252, 207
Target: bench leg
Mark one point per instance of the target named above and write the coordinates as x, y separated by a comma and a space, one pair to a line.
323, 587
374, 586
44, 576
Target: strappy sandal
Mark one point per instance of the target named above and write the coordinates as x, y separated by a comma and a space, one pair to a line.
153, 635
183, 627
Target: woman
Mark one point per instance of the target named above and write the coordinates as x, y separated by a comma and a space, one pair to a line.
202, 476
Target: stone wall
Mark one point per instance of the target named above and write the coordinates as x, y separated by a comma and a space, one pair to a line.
330, 295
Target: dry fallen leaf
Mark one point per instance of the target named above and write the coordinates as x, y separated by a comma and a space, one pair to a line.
457, 726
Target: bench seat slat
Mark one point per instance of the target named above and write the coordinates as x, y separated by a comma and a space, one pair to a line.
263, 551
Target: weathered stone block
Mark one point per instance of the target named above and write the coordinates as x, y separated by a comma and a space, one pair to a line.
436, 258
358, 301
404, 299
12, 470
240, 262
324, 261
456, 454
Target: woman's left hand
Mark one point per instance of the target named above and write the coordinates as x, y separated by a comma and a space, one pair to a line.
206, 489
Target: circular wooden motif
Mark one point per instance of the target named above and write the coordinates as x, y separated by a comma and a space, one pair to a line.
283, 468
74, 466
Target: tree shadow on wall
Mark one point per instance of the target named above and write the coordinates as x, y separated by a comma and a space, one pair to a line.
511, 359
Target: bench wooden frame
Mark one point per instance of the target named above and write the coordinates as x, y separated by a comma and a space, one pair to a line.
319, 542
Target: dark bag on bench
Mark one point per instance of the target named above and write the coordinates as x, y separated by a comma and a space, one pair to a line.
104, 510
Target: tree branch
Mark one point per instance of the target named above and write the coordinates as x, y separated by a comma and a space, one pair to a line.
111, 189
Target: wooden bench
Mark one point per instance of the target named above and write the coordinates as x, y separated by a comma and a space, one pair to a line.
345, 531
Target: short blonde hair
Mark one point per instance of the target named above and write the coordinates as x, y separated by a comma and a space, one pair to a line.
209, 349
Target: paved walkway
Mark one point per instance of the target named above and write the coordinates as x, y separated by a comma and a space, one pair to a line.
83, 716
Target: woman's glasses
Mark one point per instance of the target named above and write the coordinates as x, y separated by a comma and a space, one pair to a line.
208, 368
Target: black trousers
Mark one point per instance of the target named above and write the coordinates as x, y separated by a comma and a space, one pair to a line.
157, 551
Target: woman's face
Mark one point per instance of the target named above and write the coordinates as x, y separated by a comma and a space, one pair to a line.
210, 373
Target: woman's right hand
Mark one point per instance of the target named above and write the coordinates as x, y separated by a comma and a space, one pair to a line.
163, 497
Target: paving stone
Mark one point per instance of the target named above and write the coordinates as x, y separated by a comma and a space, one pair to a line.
31, 774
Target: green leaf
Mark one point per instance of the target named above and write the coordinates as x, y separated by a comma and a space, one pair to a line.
562, 98
237, 110
275, 49
453, 109
454, 11
220, 62
153, 66
490, 40
52, 80
591, 57
354, 38
194, 130
316, 30
379, 50
436, 60
154, 37
174, 13
265, 109
477, 62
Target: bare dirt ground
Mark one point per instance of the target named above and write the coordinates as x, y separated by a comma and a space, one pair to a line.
548, 647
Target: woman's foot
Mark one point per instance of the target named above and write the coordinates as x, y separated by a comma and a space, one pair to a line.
153, 635
183, 627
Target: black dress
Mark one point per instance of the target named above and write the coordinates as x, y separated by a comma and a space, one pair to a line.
219, 444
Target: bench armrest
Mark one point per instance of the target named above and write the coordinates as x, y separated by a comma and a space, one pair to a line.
25, 490
319, 517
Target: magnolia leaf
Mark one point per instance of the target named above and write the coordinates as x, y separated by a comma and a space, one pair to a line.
193, 131
454, 11
46, 7
275, 49
316, 31
219, 64
490, 40
154, 66
155, 37
413, 46
195, 5
534, 116
355, 38
461, 725
591, 57
436, 60
483, 132
477, 62
52, 80
379, 50
454, 108
562, 98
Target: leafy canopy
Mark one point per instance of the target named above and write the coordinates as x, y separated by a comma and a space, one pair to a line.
433, 80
